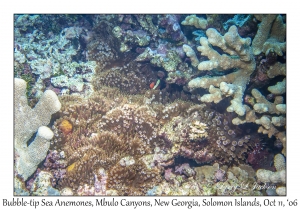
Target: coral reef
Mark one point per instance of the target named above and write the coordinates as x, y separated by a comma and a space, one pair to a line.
42, 185
204, 136
133, 78
210, 180
27, 122
150, 104
278, 177
119, 138
168, 59
53, 59
234, 84
260, 157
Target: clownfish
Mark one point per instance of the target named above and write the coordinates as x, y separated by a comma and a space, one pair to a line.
153, 85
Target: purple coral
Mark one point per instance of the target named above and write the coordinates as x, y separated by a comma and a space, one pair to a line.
260, 157
200, 156
220, 175
56, 164
169, 176
185, 169
100, 182
54, 160
170, 28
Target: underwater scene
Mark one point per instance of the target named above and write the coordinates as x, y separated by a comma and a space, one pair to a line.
149, 104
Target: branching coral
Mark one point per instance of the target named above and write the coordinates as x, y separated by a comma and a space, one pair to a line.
240, 64
270, 36
238, 55
271, 116
27, 122
198, 22
278, 177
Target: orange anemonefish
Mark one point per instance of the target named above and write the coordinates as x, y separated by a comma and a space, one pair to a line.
152, 85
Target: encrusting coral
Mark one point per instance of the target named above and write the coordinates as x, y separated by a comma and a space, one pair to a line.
27, 122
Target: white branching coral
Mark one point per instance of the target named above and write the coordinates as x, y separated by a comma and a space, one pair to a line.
193, 20
270, 35
278, 177
27, 121
237, 56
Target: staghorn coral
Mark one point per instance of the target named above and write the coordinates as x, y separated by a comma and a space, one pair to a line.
239, 20
193, 20
238, 55
273, 119
271, 116
191, 54
270, 36
277, 69
27, 122
278, 178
